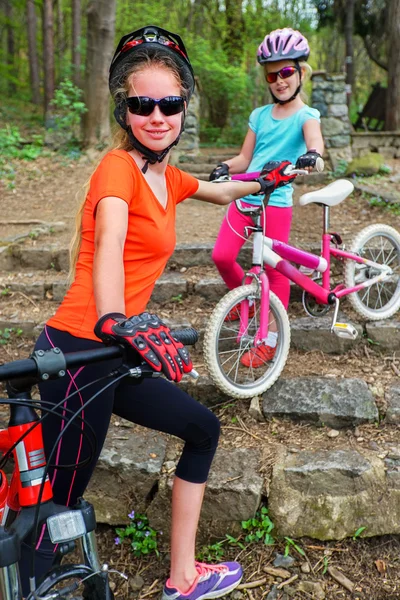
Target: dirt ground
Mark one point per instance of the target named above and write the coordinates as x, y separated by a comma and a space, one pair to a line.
46, 190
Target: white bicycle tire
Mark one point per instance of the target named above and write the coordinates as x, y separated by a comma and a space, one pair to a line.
364, 236
211, 336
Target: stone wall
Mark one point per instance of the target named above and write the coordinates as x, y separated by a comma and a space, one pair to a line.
189, 142
386, 143
329, 97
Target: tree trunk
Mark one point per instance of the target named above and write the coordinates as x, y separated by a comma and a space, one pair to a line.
234, 38
348, 32
32, 52
10, 47
100, 44
61, 45
393, 87
48, 58
76, 42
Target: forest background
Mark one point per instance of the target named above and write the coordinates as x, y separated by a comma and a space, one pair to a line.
54, 58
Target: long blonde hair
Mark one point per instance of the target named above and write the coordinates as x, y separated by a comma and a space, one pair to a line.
121, 141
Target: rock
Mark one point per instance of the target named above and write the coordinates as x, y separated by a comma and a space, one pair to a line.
366, 165
136, 583
335, 403
126, 474
283, 561
305, 567
203, 390
330, 494
332, 433
233, 494
168, 286
314, 589
276, 572
385, 333
393, 402
308, 333
211, 289
273, 594
255, 409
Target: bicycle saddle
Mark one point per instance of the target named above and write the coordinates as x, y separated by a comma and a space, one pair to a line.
330, 195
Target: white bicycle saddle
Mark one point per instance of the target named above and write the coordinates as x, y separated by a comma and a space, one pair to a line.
330, 195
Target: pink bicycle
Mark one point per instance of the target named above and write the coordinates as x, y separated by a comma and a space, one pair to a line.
371, 282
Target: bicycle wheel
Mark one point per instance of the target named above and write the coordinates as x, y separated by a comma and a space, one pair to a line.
223, 353
381, 244
73, 582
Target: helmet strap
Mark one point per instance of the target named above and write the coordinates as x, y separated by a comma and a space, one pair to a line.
148, 155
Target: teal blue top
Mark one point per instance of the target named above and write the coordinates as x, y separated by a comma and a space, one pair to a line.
278, 139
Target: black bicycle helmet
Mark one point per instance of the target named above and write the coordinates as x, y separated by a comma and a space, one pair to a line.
152, 39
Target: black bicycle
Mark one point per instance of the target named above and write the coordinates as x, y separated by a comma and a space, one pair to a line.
26, 502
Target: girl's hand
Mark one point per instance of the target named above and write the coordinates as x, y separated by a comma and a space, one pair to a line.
221, 170
308, 160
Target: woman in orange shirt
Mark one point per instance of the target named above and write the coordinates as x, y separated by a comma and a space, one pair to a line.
125, 236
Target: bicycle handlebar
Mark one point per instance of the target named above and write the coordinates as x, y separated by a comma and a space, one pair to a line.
57, 361
290, 170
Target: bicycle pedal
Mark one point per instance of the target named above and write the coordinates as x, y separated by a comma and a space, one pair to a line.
345, 330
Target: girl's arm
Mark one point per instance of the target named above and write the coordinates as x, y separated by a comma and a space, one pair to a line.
224, 193
108, 263
239, 163
313, 136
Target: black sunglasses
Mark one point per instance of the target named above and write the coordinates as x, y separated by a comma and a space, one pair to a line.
283, 73
144, 106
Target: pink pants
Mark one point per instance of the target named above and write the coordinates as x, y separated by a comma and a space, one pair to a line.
228, 245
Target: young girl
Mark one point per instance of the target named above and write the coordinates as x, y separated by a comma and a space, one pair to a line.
126, 233
280, 131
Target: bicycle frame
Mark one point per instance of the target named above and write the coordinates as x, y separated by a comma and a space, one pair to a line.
279, 256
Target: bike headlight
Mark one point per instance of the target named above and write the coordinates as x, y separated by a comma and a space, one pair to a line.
66, 526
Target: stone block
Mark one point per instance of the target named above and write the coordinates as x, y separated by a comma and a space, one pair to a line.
393, 405
315, 334
336, 403
169, 285
387, 151
338, 110
317, 95
189, 255
6, 258
233, 494
339, 141
40, 259
336, 155
385, 333
330, 494
60, 288
211, 289
127, 472
203, 390
26, 327
331, 126
339, 97
36, 289
62, 259
322, 107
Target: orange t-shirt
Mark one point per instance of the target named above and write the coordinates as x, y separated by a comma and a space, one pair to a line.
149, 243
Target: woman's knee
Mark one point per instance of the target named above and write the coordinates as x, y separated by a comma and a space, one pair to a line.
203, 435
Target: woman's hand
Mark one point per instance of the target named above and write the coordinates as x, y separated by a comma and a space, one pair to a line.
151, 338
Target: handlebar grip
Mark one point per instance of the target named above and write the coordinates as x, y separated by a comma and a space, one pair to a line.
188, 336
319, 164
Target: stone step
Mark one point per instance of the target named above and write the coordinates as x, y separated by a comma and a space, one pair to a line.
55, 258
320, 493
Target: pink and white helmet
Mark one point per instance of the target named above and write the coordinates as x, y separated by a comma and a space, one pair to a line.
283, 44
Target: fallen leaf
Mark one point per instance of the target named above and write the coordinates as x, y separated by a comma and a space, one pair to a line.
152, 455
380, 565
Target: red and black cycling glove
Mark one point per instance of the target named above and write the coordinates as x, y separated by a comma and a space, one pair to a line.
273, 176
151, 338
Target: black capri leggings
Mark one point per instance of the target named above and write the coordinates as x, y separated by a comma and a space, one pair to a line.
153, 403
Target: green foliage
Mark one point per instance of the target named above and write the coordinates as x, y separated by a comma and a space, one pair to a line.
259, 528
394, 207
67, 109
358, 533
291, 544
216, 552
14, 146
7, 334
142, 537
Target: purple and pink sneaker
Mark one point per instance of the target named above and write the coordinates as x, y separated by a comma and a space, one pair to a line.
213, 581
